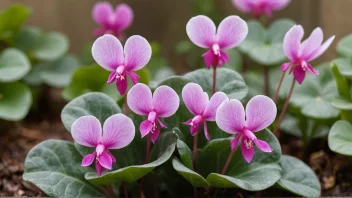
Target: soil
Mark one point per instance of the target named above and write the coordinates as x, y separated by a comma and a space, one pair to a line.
334, 171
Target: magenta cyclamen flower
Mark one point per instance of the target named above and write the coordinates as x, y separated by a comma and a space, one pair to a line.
118, 133
107, 51
201, 30
112, 21
259, 7
162, 104
301, 54
198, 103
231, 118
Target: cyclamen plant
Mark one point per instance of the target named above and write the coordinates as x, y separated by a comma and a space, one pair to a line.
118, 132
112, 21
260, 7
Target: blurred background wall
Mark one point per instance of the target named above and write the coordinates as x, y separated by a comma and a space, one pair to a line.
165, 20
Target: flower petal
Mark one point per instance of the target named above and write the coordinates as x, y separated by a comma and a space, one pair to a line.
121, 85
139, 99
105, 160
107, 52
292, 42
231, 32
88, 159
154, 136
285, 66
234, 142
99, 32
206, 130
145, 127
262, 145
242, 5
201, 31
215, 101
247, 153
118, 131
312, 43
194, 98
137, 53
260, 113
210, 59
102, 12
124, 16
86, 131
278, 4
230, 116
165, 101
312, 70
299, 74
99, 168
134, 77
318, 52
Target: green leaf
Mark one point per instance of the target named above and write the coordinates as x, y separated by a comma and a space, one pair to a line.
13, 65
235, 59
15, 101
262, 173
265, 46
184, 47
227, 81
340, 137
342, 103
59, 72
341, 83
163, 150
11, 20
314, 96
89, 79
97, 104
298, 178
344, 46
194, 178
55, 167
27, 38
185, 154
344, 65
161, 75
50, 46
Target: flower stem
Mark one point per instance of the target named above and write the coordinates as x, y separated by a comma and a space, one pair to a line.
125, 190
214, 80
194, 156
266, 81
279, 86
126, 105
223, 171
147, 149
276, 131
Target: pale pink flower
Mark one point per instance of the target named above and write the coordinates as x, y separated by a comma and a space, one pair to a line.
112, 21
108, 52
117, 132
300, 54
201, 30
162, 104
259, 7
232, 118
198, 103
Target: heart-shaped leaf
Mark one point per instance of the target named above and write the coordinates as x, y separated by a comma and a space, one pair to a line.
55, 167
50, 46
129, 172
13, 65
298, 178
227, 81
314, 96
340, 137
265, 46
97, 104
344, 46
342, 103
345, 66
262, 173
185, 154
11, 20
15, 101
26, 38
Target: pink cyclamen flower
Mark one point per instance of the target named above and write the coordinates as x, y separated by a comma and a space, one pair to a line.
259, 7
198, 103
112, 21
301, 54
118, 133
162, 104
107, 51
201, 30
231, 118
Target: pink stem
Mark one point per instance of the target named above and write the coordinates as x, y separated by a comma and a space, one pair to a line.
228, 161
214, 80
279, 86
148, 149
276, 131
194, 156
